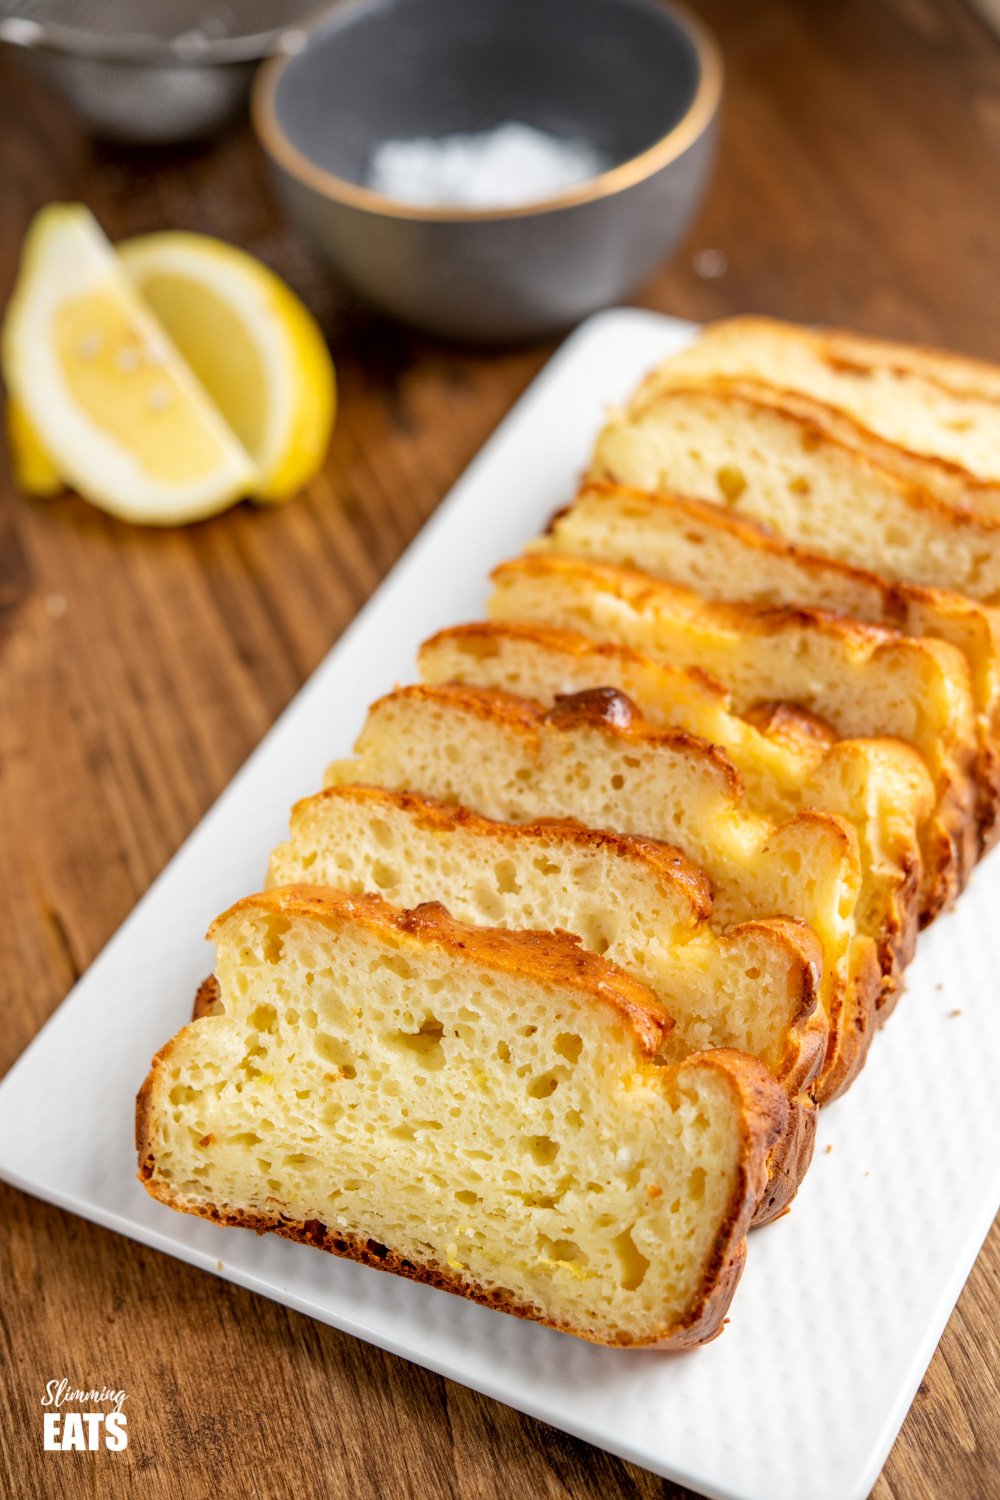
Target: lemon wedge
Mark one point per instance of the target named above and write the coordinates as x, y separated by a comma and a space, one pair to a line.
34, 471
252, 344
103, 391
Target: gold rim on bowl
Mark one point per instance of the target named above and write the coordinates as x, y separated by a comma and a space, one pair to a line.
647, 163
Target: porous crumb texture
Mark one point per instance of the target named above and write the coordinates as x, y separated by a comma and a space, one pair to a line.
767, 455
511, 760
721, 556
864, 680
592, 758
880, 786
925, 415
506, 1128
645, 908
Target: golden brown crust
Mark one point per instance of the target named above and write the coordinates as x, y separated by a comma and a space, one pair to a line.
959, 374
806, 1038
894, 600
951, 844
787, 722
485, 634
853, 1022
143, 1115
516, 714
988, 788
950, 838
764, 1112
798, 1069
853, 354
898, 942
904, 607
544, 958
781, 722
804, 1046
813, 422
604, 709
807, 1034
597, 708
207, 998
665, 861
850, 1035
607, 708
945, 479
368, 1252
862, 636
789, 1160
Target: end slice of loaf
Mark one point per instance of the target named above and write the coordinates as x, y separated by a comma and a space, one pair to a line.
722, 556
864, 680
594, 759
481, 1111
642, 905
767, 454
931, 417
881, 787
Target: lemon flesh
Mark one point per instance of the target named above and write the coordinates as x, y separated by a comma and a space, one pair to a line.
252, 344
103, 391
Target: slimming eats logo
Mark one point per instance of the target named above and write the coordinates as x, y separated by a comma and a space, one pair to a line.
83, 1431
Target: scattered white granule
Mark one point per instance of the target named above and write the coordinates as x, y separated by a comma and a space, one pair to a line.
500, 168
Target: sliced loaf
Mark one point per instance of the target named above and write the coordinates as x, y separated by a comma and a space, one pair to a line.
881, 787
931, 417
642, 905
478, 1110
766, 454
864, 680
595, 759
727, 557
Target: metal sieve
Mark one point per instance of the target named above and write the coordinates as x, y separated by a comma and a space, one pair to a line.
149, 73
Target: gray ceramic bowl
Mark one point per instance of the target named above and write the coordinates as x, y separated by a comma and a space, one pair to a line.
638, 80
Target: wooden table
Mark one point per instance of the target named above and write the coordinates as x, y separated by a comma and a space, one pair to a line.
859, 183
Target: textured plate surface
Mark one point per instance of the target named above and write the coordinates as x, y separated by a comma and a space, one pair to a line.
843, 1301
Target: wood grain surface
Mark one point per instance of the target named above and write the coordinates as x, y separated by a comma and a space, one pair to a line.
859, 183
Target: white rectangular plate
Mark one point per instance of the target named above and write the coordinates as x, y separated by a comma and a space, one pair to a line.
843, 1301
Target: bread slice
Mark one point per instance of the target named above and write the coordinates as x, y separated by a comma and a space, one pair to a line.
865, 680
767, 454
474, 1109
640, 904
726, 557
933, 418
594, 759
881, 787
